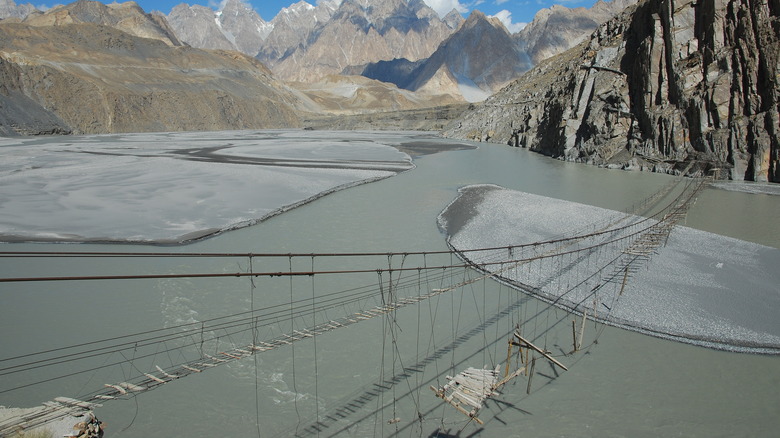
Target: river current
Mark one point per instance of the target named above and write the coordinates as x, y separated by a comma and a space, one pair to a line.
627, 384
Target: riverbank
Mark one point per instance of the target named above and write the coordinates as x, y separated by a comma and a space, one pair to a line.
698, 288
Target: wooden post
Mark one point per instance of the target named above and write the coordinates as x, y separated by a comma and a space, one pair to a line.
574, 334
530, 376
582, 328
623, 286
508, 356
526, 357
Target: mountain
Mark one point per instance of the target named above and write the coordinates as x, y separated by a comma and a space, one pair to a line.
197, 26
667, 85
478, 59
235, 26
9, 9
400, 71
348, 95
557, 29
293, 28
127, 17
92, 78
363, 31
481, 56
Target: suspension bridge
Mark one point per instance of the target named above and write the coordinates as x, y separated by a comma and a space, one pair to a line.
583, 272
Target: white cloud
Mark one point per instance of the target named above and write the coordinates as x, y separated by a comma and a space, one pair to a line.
501, 2
505, 17
443, 7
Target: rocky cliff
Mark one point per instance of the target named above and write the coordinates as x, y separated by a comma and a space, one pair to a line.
127, 17
667, 85
10, 9
351, 95
294, 28
558, 28
363, 31
481, 57
234, 26
91, 78
475, 61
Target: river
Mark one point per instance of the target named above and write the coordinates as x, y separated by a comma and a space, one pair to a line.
627, 384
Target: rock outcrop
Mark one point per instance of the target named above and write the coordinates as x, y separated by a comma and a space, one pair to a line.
235, 26
92, 78
667, 85
294, 28
477, 60
21, 115
481, 57
10, 9
359, 32
348, 95
127, 17
558, 28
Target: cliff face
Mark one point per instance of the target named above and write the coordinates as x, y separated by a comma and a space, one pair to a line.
559, 28
359, 32
665, 84
127, 17
475, 61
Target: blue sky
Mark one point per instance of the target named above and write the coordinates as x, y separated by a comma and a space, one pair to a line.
512, 12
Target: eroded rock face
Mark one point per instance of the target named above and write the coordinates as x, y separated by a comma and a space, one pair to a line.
668, 85
235, 26
127, 17
475, 61
359, 32
10, 9
558, 28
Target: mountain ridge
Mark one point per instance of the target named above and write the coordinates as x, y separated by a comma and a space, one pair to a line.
90, 78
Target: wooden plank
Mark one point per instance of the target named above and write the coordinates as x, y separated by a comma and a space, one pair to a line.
191, 368
118, 388
540, 351
460, 409
509, 377
170, 376
132, 387
78, 403
156, 379
215, 359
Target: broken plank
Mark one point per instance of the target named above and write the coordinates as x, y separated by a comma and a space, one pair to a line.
540, 351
